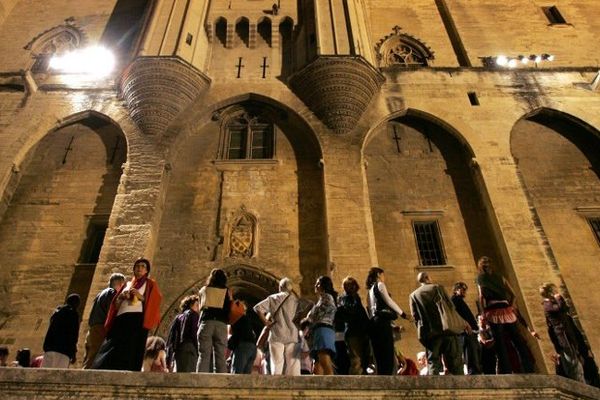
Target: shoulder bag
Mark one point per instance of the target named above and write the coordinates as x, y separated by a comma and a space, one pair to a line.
451, 322
264, 334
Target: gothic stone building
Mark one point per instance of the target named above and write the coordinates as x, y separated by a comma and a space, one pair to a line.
293, 138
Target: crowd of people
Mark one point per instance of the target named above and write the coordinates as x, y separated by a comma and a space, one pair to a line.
214, 331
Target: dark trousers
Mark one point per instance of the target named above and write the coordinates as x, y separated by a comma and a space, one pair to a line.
186, 357
382, 341
243, 358
125, 344
471, 353
358, 353
447, 346
504, 335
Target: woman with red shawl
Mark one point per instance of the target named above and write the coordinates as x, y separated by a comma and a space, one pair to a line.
135, 310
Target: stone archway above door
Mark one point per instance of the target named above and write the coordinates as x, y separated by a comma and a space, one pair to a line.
247, 282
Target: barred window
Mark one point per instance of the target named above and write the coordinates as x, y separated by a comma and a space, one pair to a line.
249, 138
595, 224
429, 243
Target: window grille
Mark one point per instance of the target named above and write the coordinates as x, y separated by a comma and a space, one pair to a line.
429, 243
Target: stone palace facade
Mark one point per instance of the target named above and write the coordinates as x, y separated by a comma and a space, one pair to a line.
299, 138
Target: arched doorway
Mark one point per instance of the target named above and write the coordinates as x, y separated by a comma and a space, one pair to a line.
247, 283
558, 161
52, 232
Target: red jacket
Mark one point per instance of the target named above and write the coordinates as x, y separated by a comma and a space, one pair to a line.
151, 306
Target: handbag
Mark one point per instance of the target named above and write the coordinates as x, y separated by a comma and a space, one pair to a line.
236, 311
451, 321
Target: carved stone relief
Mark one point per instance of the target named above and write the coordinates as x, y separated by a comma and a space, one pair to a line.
242, 235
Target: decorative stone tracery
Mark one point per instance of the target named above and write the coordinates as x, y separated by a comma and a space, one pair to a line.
337, 89
57, 40
402, 49
157, 89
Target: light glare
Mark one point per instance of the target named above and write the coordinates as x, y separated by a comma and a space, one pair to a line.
501, 61
96, 61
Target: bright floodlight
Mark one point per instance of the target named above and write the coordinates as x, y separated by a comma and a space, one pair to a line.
538, 59
96, 61
501, 61
512, 63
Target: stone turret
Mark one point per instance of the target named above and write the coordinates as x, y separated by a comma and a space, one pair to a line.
169, 70
338, 81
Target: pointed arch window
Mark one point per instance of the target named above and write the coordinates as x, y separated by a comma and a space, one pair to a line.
249, 137
55, 41
402, 49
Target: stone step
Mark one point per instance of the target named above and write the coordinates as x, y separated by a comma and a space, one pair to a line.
47, 384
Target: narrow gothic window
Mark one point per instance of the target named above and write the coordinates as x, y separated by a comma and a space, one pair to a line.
242, 29
249, 138
221, 31
429, 243
595, 224
554, 16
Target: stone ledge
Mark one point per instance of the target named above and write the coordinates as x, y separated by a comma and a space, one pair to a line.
18, 383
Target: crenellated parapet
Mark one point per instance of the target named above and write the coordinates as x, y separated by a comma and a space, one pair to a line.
337, 89
157, 89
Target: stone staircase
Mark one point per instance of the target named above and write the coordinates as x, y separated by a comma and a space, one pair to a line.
19, 383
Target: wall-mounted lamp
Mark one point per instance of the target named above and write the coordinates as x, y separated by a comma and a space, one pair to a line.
502, 61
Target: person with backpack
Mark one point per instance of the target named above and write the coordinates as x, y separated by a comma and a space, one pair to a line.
182, 342
356, 333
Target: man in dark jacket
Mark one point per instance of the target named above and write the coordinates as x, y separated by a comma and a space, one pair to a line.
60, 344
470, 345
429, 328
96, 333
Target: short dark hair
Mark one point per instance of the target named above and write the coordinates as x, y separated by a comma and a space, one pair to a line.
73, 300
460, 285
116, 277
350, 285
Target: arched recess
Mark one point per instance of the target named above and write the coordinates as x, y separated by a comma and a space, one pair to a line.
264, 29
286, 29
52, 231
242, 32
208, 190
221, 31
425, 190
558, 161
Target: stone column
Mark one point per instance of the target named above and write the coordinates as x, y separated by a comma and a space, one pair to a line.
526, 262
350, 229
